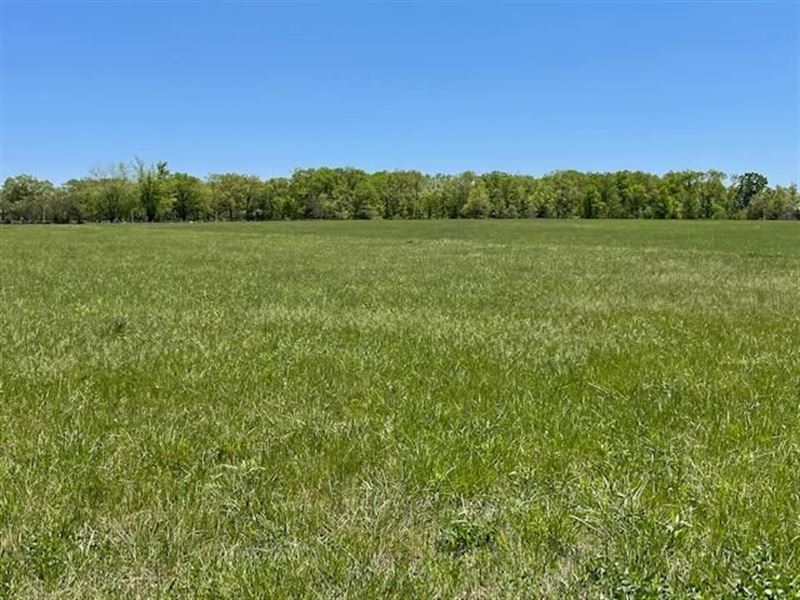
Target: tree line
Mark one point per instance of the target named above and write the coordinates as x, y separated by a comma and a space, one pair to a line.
151, 192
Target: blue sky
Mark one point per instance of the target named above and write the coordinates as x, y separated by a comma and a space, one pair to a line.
265, 88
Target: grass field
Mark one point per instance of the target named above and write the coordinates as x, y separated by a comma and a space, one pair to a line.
400, 409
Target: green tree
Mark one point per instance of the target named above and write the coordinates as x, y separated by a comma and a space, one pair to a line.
154, 194
746, 187
235, 196
772, 204
115, 199
150, 192
366, 203
712, 195
592, 204
110, 194
276, 201
190, 197
26, 198
478, 205
542, 198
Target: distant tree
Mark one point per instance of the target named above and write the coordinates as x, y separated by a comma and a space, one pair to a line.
712, 194
478, 205
685, 195
190, 198
153, 189
637, 194
592, 204
433, 197
455, 193
276, 202
569, 192
777, 203
312, 190
117, 199
747, 187
789, 200
366, 203
399, 193
542, 198
609, 193
114, 194
26, 198
235, 196
65, 209
138, 191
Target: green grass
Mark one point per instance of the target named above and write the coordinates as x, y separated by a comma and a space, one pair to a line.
400, 409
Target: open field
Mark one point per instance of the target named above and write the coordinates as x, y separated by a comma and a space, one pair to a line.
400, 409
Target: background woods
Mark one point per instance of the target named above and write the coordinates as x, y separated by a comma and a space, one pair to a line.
151, 192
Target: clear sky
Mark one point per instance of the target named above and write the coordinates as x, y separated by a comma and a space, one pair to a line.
265, 88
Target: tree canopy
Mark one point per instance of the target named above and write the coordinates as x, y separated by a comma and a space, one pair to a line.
143, 192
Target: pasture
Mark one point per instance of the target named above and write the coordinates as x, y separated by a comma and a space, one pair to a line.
400, 409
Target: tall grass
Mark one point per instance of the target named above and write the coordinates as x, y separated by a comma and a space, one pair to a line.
394, 409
